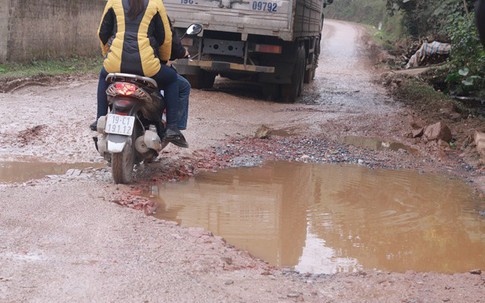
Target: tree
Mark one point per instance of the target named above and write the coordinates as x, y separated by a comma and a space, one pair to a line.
428, 17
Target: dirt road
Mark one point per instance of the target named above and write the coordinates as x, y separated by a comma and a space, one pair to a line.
62, 238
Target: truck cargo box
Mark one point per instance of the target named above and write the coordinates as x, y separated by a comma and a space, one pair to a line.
282, 18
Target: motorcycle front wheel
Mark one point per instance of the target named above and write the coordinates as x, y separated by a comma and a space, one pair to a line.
122, 164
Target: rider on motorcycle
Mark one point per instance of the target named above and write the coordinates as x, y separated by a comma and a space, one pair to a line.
179, 52
135, 37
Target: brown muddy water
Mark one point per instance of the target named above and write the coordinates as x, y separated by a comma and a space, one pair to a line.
331, 218
377, 144
12, 172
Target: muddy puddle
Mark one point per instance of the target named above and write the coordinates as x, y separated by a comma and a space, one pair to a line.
330, 218
13, 172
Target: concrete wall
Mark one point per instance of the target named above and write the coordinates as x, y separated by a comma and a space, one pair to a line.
44, 29
4, 9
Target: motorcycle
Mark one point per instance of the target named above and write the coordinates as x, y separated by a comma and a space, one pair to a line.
129, 133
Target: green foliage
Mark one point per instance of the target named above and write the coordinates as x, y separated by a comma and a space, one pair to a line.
428, 17
416, 18
449, 21
51, 67
467, 63
454, 22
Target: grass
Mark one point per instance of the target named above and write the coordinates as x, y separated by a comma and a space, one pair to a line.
421, 95
413, 89
74, 65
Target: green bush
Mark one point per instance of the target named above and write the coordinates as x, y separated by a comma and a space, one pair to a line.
428, 17
449, 21
466, 74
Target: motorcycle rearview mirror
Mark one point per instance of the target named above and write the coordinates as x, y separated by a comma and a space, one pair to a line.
194, 29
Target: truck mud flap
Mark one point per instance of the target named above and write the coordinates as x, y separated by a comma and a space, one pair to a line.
220, 66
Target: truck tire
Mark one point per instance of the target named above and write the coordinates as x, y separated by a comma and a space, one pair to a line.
271, 91
290, 92
202, 79
310, 74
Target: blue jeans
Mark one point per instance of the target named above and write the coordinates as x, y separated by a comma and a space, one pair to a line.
166, 79
184, 92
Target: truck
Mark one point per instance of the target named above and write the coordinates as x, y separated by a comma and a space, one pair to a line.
273, 42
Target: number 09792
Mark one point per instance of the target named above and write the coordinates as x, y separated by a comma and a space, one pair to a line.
271, 7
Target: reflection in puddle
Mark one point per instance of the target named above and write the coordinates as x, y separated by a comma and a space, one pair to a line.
377, 144
330, 218
25, 171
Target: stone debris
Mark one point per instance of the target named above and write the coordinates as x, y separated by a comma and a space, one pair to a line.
263, 132
294, 294
437, 131
479, 140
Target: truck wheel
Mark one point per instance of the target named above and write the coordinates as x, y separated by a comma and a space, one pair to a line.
289, 92
310, 74
202, 79
271, 91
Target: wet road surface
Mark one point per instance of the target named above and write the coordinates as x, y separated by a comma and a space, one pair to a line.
66, 240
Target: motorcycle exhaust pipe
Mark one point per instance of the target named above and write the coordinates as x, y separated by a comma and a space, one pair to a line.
152, 140
140, 145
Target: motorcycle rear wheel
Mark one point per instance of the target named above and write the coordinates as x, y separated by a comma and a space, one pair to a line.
122, 164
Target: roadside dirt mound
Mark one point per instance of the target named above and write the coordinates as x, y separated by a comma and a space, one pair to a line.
428, 106
30, 134
9, 85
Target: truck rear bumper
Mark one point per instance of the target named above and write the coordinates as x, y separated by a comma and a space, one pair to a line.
186, 66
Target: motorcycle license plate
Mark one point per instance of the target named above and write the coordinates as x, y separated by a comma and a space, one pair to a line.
120, 125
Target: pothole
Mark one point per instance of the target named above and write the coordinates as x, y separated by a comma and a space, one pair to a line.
327, 218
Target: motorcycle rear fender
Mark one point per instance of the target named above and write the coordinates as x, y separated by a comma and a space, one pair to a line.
131, 108
116, 143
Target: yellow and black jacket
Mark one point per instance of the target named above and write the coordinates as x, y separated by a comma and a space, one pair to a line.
135, 46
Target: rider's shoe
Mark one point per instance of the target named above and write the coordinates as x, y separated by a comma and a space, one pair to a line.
93, 126
174, 136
